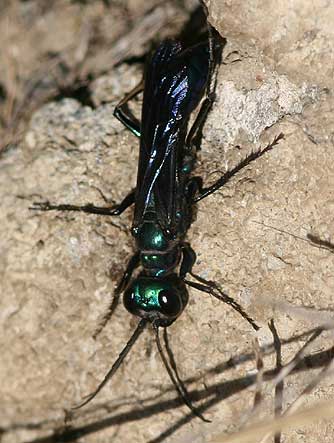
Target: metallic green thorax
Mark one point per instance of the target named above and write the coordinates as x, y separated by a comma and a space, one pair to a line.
158, 254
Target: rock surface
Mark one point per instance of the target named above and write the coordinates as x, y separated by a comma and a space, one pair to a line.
58, 271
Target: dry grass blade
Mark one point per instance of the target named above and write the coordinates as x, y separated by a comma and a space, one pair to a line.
328, 370
277, 383
288, 368
279, 387
251, 434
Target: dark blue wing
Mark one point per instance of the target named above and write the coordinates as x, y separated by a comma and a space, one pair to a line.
175, 81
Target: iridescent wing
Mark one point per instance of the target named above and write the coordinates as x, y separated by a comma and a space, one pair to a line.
175, 81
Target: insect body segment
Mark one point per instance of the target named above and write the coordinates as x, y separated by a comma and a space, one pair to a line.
174, 85
161, 300
175, 81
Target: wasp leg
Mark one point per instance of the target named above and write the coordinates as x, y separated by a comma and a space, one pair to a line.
124, 117
132, 265
204, 192
123, 114
199, 121
188, 260
209, 287
89, 208
215, 50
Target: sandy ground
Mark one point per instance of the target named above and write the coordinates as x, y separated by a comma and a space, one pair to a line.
64, 67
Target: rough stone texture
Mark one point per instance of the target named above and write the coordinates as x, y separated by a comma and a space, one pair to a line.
58, 271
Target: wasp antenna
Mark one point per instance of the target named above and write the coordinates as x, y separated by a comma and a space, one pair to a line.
140, 327
311, 239
173, 363
173, 374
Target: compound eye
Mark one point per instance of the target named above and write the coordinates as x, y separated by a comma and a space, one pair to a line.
170, 304
130, 302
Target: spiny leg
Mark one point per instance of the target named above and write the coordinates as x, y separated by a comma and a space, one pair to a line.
88, 208
210, 287
204, 192
188, 259
124, 116
215, 49
133, 125
132, 265
175, 378
199, 121
140, 328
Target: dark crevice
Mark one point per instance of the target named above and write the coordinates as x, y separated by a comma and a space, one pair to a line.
81, 93
195, 28
3, 93
133, 60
